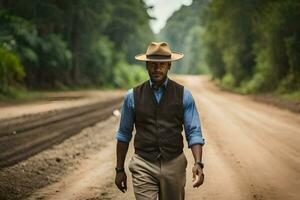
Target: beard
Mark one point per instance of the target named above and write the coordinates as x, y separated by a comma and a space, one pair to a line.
158, 78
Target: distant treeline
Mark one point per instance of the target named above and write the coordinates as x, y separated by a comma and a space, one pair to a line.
248, 45
48, 44
184, 31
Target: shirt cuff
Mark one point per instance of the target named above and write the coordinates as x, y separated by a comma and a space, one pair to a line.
123, 137
196, 139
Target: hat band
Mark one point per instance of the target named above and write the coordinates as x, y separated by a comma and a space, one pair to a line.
158, 56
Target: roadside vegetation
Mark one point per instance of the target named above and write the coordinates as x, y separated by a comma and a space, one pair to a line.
248, 46
66, 45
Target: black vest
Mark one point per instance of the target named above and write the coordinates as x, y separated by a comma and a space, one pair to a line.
158, 125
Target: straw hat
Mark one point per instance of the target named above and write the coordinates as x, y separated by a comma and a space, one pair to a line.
159, 52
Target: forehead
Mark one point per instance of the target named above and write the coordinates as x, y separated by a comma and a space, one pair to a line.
157, 63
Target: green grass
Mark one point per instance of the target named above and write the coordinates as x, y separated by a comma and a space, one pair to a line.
293, 96
16, 95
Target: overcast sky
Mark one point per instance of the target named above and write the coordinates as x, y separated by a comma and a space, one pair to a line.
162, 10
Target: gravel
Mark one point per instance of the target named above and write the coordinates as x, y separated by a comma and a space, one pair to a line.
49, 166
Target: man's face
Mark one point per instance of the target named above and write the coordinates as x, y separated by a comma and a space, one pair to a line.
158, 70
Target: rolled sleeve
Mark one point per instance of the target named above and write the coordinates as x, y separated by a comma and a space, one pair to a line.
192, 125
124, 132
195, 138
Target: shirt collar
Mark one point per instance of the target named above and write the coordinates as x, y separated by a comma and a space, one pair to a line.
164, 84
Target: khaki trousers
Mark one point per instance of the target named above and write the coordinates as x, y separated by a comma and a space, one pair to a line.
163, 180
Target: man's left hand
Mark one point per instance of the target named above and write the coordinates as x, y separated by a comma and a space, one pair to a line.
197, 171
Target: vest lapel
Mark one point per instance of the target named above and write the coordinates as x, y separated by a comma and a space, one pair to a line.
163, 93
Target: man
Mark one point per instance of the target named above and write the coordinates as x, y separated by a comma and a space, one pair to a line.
158, 108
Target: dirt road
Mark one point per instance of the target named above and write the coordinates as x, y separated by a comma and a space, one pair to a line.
251, 152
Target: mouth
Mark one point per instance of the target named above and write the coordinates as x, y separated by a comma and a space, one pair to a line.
157, 75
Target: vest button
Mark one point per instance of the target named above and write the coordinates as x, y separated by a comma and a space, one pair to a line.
158, 156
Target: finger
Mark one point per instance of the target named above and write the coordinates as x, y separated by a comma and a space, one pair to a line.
121, 188
125, 184
119, 185
199, 171
194, 174
195, 182
200, 180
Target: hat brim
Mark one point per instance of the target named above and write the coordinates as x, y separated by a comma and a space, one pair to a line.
174, 56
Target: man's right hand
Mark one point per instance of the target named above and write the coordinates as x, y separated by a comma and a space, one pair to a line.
121, 181
197, 171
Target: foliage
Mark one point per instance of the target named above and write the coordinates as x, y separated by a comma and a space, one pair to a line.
194, 61
248, 45
278, 46
73, 43
253, 46
127, 76
45, 58
11, 70
100, 61
183, 32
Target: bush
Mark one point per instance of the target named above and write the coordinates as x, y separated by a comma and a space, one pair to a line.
11, 70
228, 81
99, 61
127, 76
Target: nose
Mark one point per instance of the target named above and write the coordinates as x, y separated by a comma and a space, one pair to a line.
158, 66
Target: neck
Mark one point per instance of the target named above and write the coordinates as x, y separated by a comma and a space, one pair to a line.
159, 83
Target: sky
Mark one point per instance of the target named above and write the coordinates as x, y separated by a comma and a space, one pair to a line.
162, 10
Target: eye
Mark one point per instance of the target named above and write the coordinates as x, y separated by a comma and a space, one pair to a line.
163, 65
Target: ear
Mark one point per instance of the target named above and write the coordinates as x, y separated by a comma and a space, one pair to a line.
169, 65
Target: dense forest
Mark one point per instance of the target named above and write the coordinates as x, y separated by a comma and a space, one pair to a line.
184, 31
248, 45
47, 44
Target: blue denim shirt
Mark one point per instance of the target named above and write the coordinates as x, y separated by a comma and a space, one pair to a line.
192, 126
